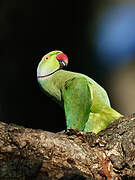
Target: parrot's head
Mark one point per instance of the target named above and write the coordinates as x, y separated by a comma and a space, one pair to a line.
50, 63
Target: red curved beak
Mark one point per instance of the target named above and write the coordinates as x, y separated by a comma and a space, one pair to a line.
63, 59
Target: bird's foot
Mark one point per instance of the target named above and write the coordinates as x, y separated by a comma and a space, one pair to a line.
74, 132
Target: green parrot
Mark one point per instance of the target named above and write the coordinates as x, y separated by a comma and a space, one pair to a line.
85, 102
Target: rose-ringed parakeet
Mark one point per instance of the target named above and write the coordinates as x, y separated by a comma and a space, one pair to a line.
86, 103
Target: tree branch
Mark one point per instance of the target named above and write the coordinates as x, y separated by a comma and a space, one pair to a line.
35, 154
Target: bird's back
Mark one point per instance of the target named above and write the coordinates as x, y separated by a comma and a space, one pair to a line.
98, 94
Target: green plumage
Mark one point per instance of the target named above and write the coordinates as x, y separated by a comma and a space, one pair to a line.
86, 103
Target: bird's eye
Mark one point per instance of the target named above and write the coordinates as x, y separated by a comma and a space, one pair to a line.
46, 58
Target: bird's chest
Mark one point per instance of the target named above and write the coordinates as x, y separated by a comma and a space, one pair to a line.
52, 90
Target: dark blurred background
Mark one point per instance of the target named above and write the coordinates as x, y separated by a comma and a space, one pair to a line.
98, 37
